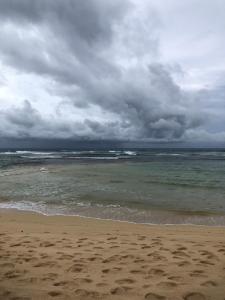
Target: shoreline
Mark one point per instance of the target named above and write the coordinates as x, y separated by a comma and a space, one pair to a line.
172, 212
69, 257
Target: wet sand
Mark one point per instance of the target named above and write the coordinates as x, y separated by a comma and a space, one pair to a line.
78, 258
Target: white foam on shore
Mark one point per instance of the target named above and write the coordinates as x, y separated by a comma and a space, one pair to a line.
113, 220
195, 220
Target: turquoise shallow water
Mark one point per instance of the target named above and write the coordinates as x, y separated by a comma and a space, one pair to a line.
147, 186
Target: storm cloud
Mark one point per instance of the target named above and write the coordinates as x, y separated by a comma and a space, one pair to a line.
96, 69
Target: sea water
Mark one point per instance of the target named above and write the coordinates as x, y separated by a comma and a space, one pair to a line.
157, 186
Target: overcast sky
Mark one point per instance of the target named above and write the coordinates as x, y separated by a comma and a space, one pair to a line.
117, 69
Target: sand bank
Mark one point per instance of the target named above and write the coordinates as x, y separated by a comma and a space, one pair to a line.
78, 258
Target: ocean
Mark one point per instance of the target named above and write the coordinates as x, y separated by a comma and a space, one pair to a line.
154, 186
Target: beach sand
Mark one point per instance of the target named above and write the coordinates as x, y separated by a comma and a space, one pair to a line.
79, 258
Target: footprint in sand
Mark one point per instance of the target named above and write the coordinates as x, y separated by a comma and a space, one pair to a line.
121, 290
82, 239
82, 281
65, 239
209, 255
55, 293
194, 296
141, 237
125, 281
156, 272
46, 244
137, 272
157, 244
16, 245
112, 238
93, 258
183, 263
87, 294
198, 273
113, 270
151, 296
46, 264
29, 280
209, 283
14, 274
49, 277
133, 244
110, 259
101, 284
76, 268
175, 278
7, 265
156, 256
98, 248
206, 262
62, 283
180, 253
181, 248
139, 260
167, 284
146, 247
221, 251
30, 259
128, 256
65, 257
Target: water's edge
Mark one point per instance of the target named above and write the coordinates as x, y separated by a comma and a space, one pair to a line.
15, 210
206, 224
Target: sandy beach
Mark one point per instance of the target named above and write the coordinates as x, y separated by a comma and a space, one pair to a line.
79, 258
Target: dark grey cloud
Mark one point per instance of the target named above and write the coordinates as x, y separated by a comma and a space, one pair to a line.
89, 20
99, 56
73, 31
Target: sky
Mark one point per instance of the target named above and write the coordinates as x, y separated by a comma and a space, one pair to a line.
131, 70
